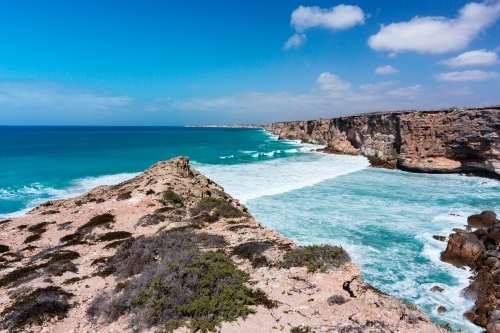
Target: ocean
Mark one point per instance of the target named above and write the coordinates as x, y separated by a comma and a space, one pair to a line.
385, 219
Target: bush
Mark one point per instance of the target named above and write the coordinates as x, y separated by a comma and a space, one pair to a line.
114, 235
61, 255
151, 219
36, 307
114, 244
98, 221
336, 299
220, 208
170, 197
211, 240
38, 228
316, 257
60, 267
64, 226
124, 196
173, 282
32, 238
253, 252
4, 248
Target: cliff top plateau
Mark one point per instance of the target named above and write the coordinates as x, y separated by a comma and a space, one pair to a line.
169, 250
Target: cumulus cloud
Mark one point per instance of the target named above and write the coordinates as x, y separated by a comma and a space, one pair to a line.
378, 86
331, 82
474, 75
385, 70
437, 34
472, 58
336, 18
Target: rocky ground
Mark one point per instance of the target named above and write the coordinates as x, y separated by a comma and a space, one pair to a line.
479, 250
169, 250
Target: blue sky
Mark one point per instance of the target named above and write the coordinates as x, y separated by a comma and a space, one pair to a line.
171, 63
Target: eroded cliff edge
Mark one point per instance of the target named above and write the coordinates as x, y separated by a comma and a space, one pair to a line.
169, 250
445, 141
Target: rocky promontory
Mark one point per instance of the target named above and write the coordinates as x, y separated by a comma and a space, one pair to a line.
452, 140
170, 251
479, 250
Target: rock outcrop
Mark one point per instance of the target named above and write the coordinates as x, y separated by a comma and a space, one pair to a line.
445, 141
132, 258
480, 250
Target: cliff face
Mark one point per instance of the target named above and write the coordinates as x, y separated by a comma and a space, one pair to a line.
444, 141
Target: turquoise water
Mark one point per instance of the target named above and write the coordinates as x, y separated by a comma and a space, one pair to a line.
385, 219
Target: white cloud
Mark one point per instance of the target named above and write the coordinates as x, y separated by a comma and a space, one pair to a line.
331, 82
336, 18
378, 86
472, 58
412, 91
474, 75
295, 41
392, 55
385, 70
436, 34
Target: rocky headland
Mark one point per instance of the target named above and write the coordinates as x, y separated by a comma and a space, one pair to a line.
479, 250
168, 251
452, 140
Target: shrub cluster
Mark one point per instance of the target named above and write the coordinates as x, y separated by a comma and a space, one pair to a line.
151, 219
4, 248
170, 197
114, 235
98, 220
170, 282
253, 251
36, 307
316, 257
218, 207
124, 196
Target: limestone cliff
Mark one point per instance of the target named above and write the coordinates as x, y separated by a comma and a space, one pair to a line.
444, 141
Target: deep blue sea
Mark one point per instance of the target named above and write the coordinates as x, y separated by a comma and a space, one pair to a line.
384, 218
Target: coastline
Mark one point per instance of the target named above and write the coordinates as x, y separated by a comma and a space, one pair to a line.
456, 140
303, 297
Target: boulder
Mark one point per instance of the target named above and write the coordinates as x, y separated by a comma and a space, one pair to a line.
463, 248
485, 219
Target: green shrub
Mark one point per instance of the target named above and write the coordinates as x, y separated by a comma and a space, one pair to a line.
316, 257
38, 228
36, 307
72, 280
32, 238
253, 252
170, 197
220, 208
124, 196
98, 221
114, 235
170, 282
61, 255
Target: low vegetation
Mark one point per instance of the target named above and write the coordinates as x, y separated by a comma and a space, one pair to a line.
151, 219
124, 196
217, 208
253, 251
36, 307
114, 235
336, 299
170, 283
172, 198
316, 257
4, 248
98, 220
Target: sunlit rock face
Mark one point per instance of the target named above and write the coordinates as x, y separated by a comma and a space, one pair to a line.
444, 141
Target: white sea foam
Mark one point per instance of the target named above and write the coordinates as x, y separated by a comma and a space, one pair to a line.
254, 180
37, 193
